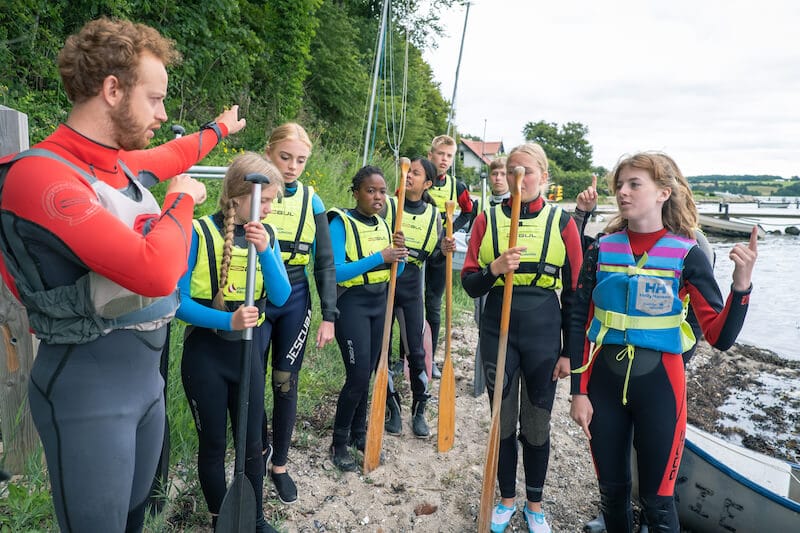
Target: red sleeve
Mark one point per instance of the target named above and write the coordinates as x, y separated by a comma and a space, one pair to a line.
572, 242
476, 236
51, 196
464, 199
173, 157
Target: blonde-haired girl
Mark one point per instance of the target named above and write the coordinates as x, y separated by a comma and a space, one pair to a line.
628, 330
212, 297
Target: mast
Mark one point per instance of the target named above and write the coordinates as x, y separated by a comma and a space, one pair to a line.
458, 67
378, 55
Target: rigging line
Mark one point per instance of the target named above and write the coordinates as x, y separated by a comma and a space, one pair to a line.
378, 55
458, 67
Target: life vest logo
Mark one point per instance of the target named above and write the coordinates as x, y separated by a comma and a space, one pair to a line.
654, 296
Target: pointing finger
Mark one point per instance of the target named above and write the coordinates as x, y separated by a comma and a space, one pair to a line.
594, 181
754, 239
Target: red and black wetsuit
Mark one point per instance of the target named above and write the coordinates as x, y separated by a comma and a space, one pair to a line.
654, 418
534, 346
98, 406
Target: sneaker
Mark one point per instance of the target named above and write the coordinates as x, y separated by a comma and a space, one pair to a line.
536, 522
263, 527
501, 516
284, 486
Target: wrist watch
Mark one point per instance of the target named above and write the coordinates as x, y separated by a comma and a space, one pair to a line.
212, 126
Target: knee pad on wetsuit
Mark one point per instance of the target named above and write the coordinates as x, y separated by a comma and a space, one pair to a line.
284, 384
615, 503
534, 425
660, 513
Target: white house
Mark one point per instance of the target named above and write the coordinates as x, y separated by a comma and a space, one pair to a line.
475, 154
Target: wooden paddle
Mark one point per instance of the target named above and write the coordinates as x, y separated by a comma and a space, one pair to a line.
447, 385
377, 409
493, 447
238, 510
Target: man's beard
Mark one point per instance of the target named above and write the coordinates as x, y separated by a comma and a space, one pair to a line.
129, 135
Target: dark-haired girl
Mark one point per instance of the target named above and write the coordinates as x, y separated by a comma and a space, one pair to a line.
421, 227
363, 250
212, 296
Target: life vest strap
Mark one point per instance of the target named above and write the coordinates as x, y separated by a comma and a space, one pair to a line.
622, 322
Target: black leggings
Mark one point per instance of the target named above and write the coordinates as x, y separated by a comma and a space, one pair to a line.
99, 410
210, 370
654, 420
285, 330
359, 333
534, 343
434, 290
408, 310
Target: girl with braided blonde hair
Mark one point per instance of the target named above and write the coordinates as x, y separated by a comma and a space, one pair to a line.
212, 297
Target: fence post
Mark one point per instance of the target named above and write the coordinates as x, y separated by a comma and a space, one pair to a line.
17, 345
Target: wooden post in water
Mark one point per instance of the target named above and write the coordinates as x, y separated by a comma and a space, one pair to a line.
17, 345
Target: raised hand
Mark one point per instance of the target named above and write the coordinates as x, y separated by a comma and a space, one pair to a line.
230, 117
185, 184
744, 258
244, 317
587, 198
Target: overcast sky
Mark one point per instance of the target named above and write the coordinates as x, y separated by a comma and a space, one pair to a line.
716, 84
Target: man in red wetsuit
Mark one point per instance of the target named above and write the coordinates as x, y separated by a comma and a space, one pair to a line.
96, 262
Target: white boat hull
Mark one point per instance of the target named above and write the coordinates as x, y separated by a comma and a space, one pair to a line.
726, 488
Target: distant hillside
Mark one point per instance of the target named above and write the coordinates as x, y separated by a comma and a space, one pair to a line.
744, 177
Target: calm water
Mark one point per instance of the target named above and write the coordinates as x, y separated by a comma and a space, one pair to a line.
773, 318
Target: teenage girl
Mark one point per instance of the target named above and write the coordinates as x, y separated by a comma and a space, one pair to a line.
546, 259
363, 250
212, 293
302, 226
628, 330
421, 227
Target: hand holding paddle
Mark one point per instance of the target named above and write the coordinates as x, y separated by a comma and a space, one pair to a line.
493, 447
447, 387
372, 451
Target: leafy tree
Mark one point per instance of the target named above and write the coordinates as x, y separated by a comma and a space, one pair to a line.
566, 144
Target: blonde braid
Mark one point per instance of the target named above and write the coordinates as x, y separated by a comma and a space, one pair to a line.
227, 247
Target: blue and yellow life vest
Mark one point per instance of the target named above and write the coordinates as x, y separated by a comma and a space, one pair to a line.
541, 263
362, 240
293, 218
419, 230
637, 303
204, 282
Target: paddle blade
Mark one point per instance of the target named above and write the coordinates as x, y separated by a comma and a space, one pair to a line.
447, 407
377, 411
489, 475
238, 511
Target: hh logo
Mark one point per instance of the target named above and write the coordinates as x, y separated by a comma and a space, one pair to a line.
655, 288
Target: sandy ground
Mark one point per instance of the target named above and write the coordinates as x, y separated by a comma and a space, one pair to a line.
419, 489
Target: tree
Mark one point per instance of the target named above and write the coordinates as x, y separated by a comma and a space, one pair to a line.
566, 145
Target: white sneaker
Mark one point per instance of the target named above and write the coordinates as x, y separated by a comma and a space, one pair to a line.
501, 516
536, 522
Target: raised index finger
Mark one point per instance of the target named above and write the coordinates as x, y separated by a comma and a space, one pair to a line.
753, 245
594, 181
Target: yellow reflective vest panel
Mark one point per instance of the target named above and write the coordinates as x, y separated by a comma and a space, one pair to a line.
205, 281
446, 192
541, 262
362, 240
418, 229
293, 219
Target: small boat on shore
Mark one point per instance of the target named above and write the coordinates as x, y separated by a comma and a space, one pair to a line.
728, 227
723, 487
